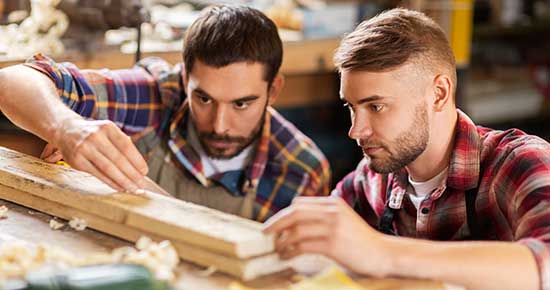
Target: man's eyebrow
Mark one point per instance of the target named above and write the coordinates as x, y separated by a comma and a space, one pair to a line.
370, 99
246, 99
202, 92
365, 99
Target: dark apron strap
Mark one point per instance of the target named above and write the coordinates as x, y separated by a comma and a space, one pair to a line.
471, 214
385, 224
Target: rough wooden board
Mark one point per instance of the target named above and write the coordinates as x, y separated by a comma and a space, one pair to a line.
62, 211
225, 233
57, 183
168, 217
245, 269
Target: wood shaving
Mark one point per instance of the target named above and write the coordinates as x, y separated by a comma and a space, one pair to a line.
3, 212
17, 258
161, 257
78, 224
55, 225
207, 272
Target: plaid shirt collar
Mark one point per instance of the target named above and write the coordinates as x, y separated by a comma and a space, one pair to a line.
464, 169
190, 159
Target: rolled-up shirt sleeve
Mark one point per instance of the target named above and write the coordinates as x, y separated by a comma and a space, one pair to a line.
128, 97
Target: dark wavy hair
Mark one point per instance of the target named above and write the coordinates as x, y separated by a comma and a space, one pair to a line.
225, 34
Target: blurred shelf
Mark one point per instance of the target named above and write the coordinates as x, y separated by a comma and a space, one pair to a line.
299, 57
520, 30
505, 104
307, 65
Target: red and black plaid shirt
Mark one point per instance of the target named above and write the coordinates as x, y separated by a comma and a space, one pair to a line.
511, 171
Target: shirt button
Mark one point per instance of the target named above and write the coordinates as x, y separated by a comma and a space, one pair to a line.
425, 210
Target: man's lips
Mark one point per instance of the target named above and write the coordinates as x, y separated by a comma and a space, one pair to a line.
220, 144
371, 150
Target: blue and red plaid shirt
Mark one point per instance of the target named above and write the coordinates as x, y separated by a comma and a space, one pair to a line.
511, 171
150, 98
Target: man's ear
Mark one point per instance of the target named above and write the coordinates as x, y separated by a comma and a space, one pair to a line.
276, 88
443, 92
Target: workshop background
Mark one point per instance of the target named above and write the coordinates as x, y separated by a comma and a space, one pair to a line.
502, 49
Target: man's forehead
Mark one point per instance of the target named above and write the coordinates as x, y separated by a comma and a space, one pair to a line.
252, 68
229, 93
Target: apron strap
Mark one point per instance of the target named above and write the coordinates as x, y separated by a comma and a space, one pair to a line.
385, 224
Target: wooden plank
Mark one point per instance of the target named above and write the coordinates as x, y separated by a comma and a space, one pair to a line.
245, 269
165, 216
67, 213
199, 225
57, 183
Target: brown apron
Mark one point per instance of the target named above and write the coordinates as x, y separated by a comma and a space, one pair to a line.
183, 186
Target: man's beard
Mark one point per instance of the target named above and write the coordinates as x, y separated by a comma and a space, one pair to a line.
242, 141
408, 146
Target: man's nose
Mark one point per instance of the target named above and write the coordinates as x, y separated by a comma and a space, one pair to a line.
360, 127
220, 121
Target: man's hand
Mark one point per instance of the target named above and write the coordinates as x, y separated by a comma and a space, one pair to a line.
101, 149
328, 226
51, 154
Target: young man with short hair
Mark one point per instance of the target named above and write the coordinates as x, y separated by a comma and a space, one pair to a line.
430, 176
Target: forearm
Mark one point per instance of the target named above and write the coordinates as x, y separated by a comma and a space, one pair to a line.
30, 100
475, 265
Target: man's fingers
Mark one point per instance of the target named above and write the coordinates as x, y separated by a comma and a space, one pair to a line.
110, 153
122, 162
280, 221
107, 168
298, 214
85, 165
48, 151
125, 145
303, 232
54, 157
317, 246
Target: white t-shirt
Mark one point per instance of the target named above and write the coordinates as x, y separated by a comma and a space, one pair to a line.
423, 189
212, 166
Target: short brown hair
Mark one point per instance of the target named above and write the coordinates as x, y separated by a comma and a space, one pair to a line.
394, 38
225, 34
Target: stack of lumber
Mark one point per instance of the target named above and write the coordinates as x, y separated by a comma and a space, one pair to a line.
201, 235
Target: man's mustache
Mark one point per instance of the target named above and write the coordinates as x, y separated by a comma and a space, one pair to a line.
222, 138
366, 144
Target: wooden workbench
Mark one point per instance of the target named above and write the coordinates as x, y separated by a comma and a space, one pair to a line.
29, 225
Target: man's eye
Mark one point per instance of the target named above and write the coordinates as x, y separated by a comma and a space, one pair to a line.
377, 108
204, 100
241, 105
